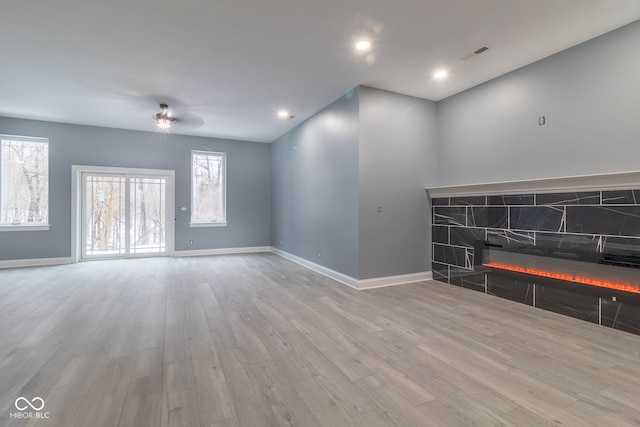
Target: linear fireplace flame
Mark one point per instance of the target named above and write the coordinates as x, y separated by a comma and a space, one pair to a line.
576, 278
615, 271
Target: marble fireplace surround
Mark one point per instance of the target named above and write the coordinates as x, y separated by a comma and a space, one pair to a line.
595, 213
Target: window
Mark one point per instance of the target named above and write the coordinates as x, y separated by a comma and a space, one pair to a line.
24, 183
208, 189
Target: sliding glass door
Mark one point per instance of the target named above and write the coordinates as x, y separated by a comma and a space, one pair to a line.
123, 215
147, 220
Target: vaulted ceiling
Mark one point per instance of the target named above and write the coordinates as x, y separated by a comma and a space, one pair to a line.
226, 67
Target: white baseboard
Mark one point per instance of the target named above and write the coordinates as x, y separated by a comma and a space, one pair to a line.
222, 251
35, 262
335, 275
376, 282
380, 282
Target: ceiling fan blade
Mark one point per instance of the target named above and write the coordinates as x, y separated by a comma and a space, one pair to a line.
186, 120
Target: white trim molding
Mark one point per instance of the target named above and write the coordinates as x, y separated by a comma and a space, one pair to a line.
35, 262
376, 282
380, 282
222, 251
608, 181
25, 227
76, 205
335, 275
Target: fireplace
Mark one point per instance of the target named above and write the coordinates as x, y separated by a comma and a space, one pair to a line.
600, 273
572, 252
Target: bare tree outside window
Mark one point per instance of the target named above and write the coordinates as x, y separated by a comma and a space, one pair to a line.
24, 181
104, 214
147, 214
108, 198
208, 187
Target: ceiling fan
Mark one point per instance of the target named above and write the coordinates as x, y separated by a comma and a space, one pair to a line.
177, 117
163, 119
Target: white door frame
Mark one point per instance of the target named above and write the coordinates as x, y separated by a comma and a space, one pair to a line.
76, 205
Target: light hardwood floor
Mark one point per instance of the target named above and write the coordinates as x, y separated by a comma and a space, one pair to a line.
252, 340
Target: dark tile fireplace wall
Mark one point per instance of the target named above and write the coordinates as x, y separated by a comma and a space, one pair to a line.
597, 221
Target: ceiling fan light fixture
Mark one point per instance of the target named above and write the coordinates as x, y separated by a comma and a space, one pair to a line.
163, 120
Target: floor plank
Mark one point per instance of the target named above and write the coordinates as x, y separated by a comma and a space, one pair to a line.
252, 340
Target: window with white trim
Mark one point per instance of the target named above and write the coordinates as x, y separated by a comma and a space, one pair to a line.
208, 189
24, 182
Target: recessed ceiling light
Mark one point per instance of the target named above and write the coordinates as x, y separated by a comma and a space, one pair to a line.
284, 114
440, 74
363, 45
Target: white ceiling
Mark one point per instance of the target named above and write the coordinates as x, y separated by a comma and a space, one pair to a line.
227, 66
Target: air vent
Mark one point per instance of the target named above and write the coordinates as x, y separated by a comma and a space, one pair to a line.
475, 53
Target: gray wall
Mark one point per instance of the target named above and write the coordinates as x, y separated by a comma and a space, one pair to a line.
369, 148
315, 188
248, 180
590, 95
374, 148
397, 161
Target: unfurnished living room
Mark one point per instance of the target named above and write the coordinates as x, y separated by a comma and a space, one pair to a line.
342, 213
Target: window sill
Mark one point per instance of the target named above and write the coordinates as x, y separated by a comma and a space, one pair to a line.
25, 227
208, 224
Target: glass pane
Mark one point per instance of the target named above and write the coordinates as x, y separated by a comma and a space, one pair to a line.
105, 215
208, 188
25, 182
147, 210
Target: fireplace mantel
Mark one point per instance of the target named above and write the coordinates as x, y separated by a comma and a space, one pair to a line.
612, 181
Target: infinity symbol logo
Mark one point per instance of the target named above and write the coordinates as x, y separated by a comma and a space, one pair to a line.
31, 404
